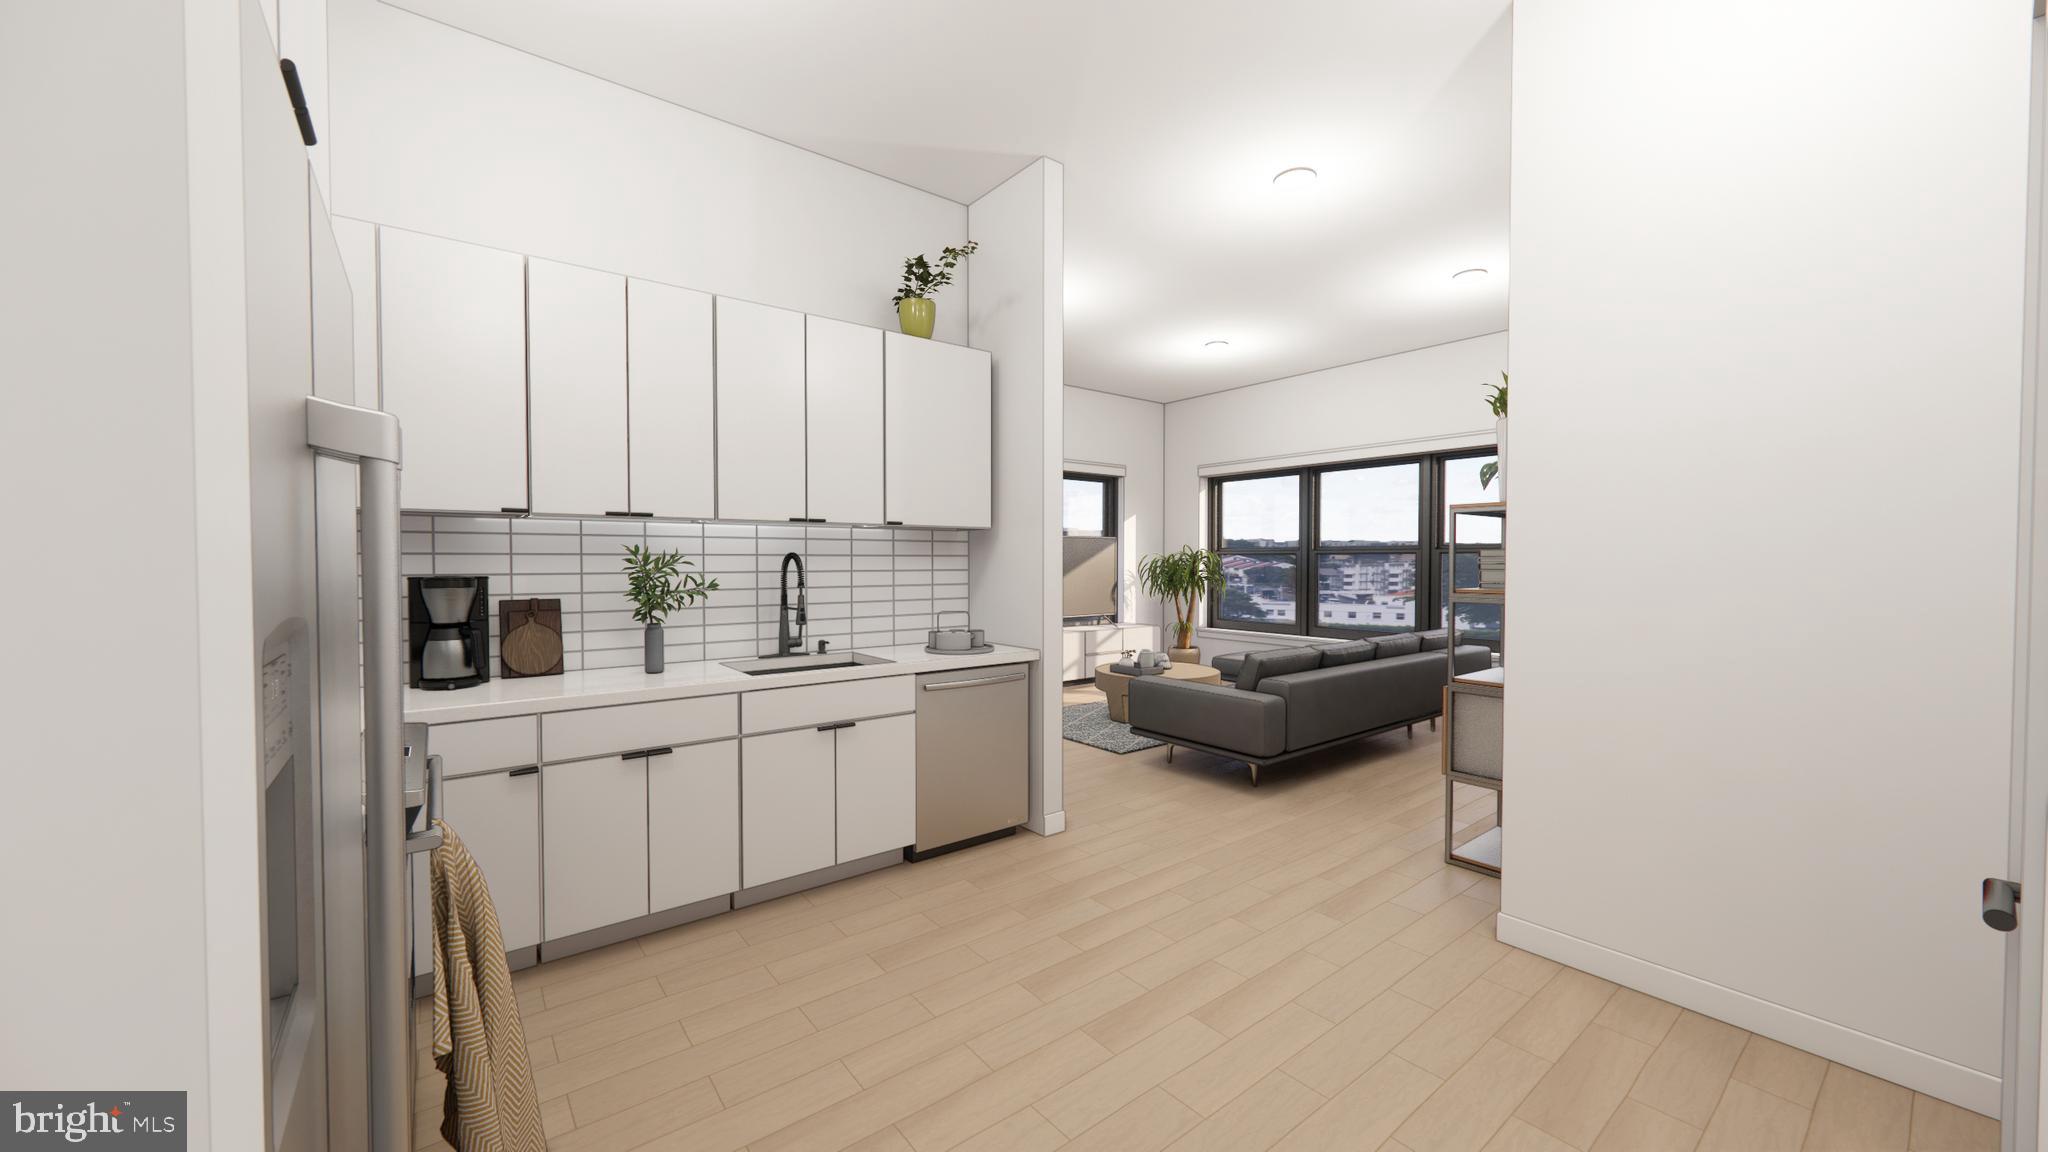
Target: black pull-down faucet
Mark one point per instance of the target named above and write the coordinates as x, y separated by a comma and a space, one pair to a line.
785, 644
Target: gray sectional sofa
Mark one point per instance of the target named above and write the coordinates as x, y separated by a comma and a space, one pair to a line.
1281, 703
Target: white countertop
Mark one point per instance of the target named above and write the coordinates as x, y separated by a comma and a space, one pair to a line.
604, 686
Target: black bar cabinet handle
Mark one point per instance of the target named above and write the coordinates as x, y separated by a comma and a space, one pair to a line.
835, 725
529, 770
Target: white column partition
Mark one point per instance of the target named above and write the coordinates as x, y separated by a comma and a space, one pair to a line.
1015, 311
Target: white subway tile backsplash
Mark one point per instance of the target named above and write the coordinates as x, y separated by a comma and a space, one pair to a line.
552, 545
497, 525
545, 563
478, 543
470, 564
543, 527
867, 587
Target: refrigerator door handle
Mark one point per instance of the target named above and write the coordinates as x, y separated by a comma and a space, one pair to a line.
371, 439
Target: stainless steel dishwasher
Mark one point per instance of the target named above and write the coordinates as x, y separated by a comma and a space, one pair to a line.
973, 756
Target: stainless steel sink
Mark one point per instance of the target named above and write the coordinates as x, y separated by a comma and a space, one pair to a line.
773, 665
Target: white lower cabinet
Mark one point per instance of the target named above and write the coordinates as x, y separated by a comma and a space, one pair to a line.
788, 818
693, 824
594, 817
877, 786
497, 815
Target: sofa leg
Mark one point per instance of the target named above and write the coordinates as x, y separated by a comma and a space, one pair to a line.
1411, 731
1432, 723
1255, 775
1169, 753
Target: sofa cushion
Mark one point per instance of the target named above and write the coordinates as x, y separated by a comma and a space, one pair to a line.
1227, 666
1435, 640
1405, 644
1275, 662
1246, 724
1349, 652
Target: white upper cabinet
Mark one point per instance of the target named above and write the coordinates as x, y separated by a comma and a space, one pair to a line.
937, 433
843, 393
669, 383
576, 383
760, 412
453, 323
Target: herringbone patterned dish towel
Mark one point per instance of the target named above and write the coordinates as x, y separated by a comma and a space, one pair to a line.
478, 1044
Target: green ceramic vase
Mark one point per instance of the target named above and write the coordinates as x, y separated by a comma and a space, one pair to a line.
917, 316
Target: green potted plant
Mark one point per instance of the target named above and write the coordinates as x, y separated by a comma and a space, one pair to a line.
916, 311
657, 585
1497, 402
1186, 578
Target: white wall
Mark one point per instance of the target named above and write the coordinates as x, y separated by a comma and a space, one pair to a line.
1428, 400
1017, 314
439, 131
120, 808
1767, 337
1127, 433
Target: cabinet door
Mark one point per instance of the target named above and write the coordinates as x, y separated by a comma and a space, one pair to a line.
1076, 661
843, 399
669, 383
498, 817
788, 818
877, 799
453, 324
693, 824
760, 412
937, 397
576, 383
594, 818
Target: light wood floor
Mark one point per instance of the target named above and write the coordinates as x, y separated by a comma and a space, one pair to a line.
1193, 965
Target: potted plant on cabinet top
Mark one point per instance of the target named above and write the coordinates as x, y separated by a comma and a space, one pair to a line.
916, 311
1185, 577
1497, 401
657, 586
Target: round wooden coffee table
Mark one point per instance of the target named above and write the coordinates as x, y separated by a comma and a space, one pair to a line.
1117, 686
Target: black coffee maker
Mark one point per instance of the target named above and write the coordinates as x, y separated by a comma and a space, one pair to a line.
449, 622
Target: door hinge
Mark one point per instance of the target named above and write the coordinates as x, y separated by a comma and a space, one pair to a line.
2001, 903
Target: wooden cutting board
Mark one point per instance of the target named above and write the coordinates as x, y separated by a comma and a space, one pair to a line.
530, 638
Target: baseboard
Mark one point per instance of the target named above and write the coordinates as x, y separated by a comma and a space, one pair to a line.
1050, 824
1963, 1087
777, 889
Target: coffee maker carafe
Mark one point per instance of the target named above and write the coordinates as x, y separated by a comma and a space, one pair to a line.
449, 622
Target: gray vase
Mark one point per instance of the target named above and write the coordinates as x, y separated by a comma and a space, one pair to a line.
655, 644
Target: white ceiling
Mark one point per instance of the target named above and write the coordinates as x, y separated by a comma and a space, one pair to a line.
1171, 117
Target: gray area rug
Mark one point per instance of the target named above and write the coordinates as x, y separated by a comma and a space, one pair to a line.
1090, 724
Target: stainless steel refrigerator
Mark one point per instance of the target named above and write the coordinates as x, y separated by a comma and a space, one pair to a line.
325, 596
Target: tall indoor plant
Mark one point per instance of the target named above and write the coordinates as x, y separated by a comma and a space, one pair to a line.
657, 586
916, 311
1497, 401
1185, 577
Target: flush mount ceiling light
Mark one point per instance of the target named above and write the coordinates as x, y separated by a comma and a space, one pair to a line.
1215, 343
1296, 177
1469, 275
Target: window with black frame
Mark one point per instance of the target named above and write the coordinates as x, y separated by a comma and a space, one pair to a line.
1088, 525
1371, 534
1258, 537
